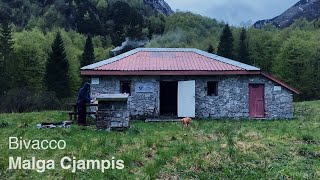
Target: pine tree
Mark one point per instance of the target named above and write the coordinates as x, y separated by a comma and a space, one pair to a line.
210, 49
243, 53
87, 56
88, 53
6, 57
57, 70
6, 46
225, 47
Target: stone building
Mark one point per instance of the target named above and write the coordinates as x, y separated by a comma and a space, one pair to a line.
190, 83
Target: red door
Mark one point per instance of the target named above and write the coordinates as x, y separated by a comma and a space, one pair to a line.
256, 101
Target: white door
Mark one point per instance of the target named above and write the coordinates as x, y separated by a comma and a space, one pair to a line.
186, 99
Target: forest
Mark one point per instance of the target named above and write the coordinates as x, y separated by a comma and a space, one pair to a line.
43, 44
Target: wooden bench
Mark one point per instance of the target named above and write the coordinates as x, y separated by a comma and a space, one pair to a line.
74, 113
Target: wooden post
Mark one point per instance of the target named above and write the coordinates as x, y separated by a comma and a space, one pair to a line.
75, 109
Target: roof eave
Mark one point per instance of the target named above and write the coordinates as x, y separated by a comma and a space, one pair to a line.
182, 73
281, 83
166, 73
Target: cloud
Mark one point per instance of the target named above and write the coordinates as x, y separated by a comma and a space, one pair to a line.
234, 11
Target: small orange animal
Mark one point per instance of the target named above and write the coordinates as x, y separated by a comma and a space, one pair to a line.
186, 121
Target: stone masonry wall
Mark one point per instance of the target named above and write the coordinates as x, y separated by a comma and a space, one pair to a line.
138, 103
232, 100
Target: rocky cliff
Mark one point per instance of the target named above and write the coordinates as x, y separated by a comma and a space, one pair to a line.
160, 5
308, 9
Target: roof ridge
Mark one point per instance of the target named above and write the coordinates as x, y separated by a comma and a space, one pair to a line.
200, 52
227, 60
134, 51
206, 54
111, 60
211, 58
167, 49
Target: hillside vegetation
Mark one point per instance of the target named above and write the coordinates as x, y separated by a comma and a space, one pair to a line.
282, 149
28, 29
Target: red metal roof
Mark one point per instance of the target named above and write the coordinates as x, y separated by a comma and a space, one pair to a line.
172, 61
167, 61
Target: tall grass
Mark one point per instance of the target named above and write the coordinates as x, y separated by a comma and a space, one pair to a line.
215, 149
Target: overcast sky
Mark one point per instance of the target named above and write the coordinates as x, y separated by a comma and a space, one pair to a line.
234, 11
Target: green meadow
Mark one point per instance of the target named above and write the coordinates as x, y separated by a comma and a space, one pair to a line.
209, 149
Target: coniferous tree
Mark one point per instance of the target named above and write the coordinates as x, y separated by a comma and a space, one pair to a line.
6, 46
243, 53
6, 57
88, 53
210, 49
57, 70
87, 56
225, 47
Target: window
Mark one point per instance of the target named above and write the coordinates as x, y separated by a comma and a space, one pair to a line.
125, 87
95, 81
212, 88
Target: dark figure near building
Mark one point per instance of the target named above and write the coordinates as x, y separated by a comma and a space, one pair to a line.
83, 98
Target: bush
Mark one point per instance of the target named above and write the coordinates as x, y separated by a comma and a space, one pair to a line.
4, 124
27, 100
308, 138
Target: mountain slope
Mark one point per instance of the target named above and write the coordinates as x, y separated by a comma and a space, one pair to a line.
308, 9
160, 6
84, 16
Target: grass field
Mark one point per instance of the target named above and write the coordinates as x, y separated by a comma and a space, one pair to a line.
246, 149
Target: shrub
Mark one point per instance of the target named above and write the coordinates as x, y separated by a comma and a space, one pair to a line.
308, 138
26, 100
4, 124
